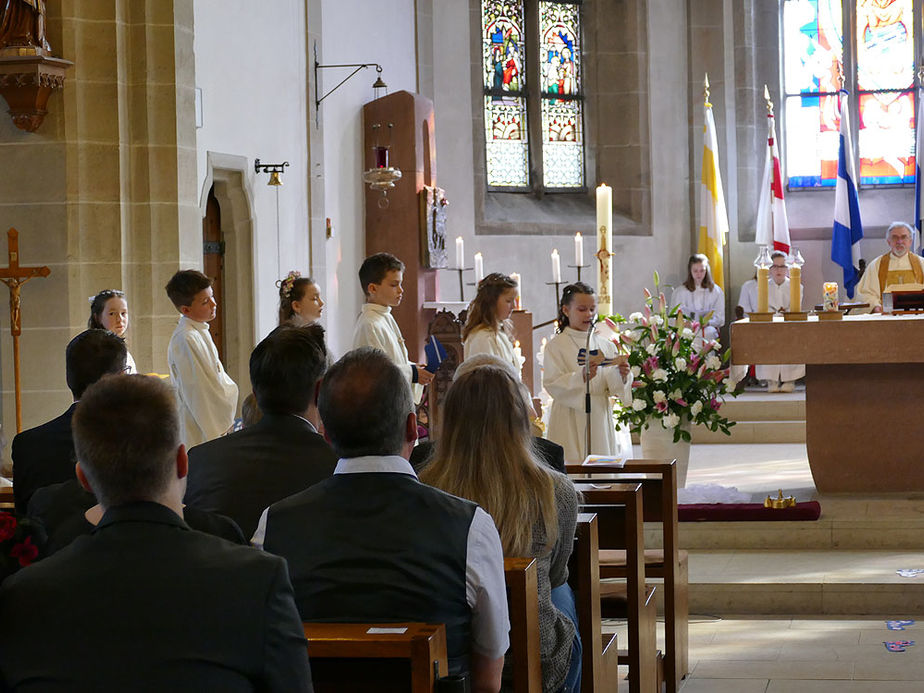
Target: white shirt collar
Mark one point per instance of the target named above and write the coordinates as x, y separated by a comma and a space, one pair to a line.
195, 324
394, 464
376, 308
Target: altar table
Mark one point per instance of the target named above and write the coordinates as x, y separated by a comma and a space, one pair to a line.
864, 387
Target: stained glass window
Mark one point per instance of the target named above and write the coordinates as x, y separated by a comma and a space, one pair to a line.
507, 143
556, 107
815, 52
560, 81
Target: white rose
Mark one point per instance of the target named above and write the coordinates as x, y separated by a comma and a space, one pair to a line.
686, 333
639, 404
658, 396
696, 408
652, 349
713, 363
680, 364
660, 375
671, 421
635, 371
635, 317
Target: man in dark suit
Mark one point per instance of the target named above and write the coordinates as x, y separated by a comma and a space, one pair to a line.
372, 543
145, 603
44, 455
242, 474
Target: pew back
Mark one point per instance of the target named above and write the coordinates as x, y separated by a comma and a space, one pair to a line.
522, 581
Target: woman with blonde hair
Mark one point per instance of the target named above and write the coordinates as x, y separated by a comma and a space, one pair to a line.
488, 329
485, 454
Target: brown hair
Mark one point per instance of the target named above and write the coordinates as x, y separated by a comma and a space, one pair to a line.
567, 295
696, 259
184, 285
291, 289
376, 267
98, 304
485, 454
483, 310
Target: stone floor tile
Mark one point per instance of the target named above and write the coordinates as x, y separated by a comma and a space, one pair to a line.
716, 669
695, 685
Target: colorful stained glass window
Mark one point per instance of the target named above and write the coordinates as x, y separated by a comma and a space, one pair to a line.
560, 83
813, 60
504, 53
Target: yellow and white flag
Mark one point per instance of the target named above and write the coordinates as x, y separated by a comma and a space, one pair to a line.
713, 217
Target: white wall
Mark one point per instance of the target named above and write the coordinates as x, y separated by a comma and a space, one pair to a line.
355, 31
250, 65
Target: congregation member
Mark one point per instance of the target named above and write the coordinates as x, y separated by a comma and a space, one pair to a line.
109, 311
780, 378
551, 454
488, 329
206, 395
699, 296
898, 266
485, 454
381, 276
145, 603
44, 455
566, 382
241, 474
299, 300
374, 544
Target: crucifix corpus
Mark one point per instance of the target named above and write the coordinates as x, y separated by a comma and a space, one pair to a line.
14, 277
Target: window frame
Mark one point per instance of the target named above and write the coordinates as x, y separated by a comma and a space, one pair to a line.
850, 85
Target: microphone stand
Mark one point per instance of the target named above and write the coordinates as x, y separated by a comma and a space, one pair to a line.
590, 332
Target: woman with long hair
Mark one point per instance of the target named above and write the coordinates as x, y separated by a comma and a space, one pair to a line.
699, 296
488, 329
485, 454
566, 382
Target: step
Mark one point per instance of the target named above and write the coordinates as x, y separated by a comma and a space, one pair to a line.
761, 431
806, 582
765, 406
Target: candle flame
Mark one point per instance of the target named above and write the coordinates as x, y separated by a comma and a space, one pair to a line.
516, 344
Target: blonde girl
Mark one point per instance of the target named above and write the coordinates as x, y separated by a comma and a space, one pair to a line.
488, 329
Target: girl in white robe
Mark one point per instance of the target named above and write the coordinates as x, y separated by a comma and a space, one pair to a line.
565, 381
109, 311
699, 295
487, 326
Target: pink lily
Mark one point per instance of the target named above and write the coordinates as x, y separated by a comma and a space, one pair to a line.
661, 406
647, 293
676, 348
715, 404
661, 301
681, 401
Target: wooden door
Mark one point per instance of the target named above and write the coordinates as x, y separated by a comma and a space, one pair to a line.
213, 262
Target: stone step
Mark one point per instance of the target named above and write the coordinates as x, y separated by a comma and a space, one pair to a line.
764, 406
751, 431
806, 582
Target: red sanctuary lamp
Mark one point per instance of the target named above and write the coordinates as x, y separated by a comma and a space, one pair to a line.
381, 177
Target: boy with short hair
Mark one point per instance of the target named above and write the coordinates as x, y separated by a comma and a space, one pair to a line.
380, 276
206, 396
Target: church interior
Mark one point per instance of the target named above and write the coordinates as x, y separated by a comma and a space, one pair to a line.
245, 140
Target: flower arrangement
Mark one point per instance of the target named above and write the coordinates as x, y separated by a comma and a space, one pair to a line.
679, 376
19, 543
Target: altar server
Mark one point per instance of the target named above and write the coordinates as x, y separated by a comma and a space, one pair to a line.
566, 381
780, 378
699, 295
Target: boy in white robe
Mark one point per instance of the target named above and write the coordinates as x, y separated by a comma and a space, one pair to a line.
206, 395
780, 378
380, 276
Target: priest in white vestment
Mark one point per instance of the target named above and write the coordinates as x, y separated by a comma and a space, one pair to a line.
897, 267
780, 378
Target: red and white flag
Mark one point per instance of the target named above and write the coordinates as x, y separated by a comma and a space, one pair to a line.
772, 224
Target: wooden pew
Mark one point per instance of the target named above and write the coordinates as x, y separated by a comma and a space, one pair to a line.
523, 604
600, 658
669, 563
6, 498
335, 651
620, 526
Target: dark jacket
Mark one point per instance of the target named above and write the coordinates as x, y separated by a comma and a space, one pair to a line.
42, 456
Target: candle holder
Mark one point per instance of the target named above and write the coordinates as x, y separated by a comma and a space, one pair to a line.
461, 271
578, 268
761, 316
790, 316
557, 286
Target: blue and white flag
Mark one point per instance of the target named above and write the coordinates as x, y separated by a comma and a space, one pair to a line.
918, 182
848, 229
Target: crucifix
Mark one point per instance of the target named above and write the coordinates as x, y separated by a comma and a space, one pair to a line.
14, 277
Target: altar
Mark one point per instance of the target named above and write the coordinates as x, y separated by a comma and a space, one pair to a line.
864, 386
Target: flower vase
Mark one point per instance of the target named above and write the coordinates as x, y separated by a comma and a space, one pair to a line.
658, 444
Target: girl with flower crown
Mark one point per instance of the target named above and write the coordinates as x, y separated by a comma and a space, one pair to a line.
109, 311
566, 382
299, 300
488, 329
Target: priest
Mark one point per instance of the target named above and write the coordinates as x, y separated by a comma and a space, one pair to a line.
896, 267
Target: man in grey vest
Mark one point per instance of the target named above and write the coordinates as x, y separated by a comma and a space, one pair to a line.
372, 543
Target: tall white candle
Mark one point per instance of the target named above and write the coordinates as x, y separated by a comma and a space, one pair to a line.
556, 266
578, 249
460, 253
604, 248
479, 267
516, 278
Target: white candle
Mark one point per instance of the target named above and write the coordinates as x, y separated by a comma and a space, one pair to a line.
460, 253
578, 249
516, 277
556, 266
604, 248
479, 267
